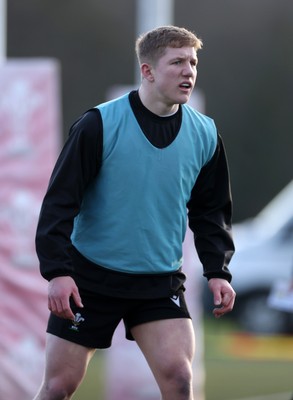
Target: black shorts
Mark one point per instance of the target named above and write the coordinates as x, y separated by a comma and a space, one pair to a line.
95, 324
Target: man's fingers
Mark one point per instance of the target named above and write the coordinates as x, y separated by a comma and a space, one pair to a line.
60, 308
228, 300
219, 312
227, 305
65, 310
217, 299
61, 289
77, 299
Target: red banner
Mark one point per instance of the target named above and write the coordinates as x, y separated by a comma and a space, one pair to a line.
29, 141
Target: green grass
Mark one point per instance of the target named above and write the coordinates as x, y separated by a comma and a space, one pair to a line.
238, 379
92, 387
240, 365
237, 366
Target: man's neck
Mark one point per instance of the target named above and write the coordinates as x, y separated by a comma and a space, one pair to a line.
155, 106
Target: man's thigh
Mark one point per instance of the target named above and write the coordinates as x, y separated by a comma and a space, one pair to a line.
164, 332
66, 360
166, 342
174, 307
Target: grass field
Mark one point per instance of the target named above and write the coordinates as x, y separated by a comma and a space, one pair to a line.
238, 366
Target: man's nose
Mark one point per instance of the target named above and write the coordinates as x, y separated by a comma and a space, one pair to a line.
188, 70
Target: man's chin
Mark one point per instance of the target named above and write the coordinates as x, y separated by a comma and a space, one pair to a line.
184, 98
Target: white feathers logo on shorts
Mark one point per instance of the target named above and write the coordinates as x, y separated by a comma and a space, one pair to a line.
76, 322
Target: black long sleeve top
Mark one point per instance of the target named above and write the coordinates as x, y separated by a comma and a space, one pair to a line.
209, 207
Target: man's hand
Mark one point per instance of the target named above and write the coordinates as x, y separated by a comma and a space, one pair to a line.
224, 296
59, 292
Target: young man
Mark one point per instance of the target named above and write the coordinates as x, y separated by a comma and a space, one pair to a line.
112, 223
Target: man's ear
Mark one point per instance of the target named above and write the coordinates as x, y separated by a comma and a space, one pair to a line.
147, 72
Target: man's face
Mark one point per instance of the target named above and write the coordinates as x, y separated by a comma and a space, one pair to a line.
174, 75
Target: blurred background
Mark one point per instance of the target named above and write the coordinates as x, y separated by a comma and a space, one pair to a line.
85, 49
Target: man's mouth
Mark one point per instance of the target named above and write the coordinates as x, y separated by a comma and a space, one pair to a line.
185, 85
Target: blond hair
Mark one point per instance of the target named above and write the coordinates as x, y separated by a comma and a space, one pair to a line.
152, 45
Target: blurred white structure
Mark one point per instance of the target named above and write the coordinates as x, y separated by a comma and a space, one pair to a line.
3, 30
264, 257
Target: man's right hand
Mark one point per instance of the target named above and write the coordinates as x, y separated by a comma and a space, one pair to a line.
59, 292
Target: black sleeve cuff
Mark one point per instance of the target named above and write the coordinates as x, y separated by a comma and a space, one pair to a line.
221, 275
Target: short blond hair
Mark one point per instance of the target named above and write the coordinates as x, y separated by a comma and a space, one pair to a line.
152, 45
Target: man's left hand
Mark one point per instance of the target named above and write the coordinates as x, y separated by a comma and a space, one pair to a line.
224, 296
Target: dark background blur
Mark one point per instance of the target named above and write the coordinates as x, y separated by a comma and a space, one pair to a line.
245, 72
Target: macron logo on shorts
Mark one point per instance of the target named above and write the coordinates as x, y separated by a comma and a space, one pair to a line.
175, 300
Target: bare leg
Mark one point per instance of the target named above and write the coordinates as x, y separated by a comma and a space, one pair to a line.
66, 364
168, 346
